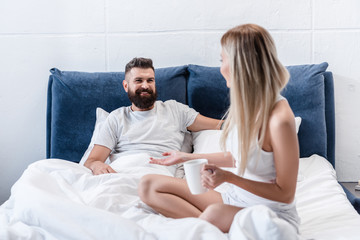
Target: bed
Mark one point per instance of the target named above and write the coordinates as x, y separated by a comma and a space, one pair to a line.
57, 198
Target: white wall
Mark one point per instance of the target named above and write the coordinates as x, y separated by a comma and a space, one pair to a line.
94, 35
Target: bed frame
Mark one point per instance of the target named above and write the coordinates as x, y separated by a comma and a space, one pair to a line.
61, 187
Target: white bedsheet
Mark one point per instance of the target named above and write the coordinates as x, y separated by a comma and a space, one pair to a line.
57, 199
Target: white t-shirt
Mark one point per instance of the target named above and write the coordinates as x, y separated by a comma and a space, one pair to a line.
155, 131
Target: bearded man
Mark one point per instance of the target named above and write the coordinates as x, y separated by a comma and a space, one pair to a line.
147, 126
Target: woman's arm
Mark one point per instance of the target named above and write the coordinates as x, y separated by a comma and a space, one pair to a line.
221, 159
284, 144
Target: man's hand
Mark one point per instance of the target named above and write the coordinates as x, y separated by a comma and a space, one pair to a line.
96, 160
174, 157
98, 167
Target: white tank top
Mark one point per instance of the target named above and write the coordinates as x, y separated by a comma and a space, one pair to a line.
260, 164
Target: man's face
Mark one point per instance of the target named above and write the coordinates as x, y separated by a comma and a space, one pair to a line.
139, 83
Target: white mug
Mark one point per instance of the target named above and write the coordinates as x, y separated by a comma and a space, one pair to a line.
193, 175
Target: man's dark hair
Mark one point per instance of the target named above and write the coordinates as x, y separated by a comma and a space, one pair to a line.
139, 63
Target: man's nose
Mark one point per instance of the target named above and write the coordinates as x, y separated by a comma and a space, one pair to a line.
145, 85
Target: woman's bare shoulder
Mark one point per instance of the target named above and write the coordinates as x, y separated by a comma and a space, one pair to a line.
281, 117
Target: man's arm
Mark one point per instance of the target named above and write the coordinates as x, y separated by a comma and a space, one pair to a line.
205, 123
96, 160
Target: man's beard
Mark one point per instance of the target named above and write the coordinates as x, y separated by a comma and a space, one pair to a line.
142, 102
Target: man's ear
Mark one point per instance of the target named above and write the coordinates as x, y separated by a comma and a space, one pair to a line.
125, 85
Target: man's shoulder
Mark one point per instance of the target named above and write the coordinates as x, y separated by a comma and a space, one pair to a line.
171, 102
119, 111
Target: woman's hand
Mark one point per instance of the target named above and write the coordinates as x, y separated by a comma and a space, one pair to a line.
212, 176
173, 157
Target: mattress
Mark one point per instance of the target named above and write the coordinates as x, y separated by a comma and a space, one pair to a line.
322, 204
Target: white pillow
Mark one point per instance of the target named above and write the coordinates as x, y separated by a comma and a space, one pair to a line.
188, 148
208, 141
187, 144
101, 116
297, 123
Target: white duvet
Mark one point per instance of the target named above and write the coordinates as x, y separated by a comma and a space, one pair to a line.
57, 199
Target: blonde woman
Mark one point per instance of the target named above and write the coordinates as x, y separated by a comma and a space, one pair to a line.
259, 135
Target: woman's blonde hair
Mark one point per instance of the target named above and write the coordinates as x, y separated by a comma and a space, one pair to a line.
256, 78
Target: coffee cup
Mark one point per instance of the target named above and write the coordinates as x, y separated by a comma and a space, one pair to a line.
193, 175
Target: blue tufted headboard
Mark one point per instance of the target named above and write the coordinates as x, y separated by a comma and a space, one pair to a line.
74, 96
